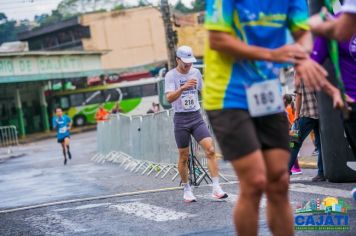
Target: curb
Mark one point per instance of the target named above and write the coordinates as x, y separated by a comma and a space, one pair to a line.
308, 164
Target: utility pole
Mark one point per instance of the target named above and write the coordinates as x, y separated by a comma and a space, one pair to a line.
171, 38
335, 149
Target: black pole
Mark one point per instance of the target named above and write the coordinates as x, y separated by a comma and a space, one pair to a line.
170, 39
335, 148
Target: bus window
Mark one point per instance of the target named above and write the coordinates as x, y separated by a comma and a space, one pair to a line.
77, 99
112, 95
132, 92
149, 90
94, 98
64, 103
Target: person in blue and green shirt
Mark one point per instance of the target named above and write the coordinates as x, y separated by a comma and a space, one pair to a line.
246, 49
62, 124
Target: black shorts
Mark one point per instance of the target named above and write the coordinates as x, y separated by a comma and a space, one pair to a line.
61, 140
189, 123
239, 134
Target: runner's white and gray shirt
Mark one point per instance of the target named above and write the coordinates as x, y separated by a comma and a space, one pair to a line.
189, 100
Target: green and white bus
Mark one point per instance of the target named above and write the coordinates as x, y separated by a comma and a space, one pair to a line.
135, 97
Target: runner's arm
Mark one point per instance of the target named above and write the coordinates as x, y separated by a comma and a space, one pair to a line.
340, 29
228, 44
298, 105
174, 95
54, 123
314, 75
69, 123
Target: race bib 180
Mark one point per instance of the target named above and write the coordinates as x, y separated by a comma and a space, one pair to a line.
265, 98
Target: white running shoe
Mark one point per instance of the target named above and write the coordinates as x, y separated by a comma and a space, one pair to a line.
218, 193
189, 196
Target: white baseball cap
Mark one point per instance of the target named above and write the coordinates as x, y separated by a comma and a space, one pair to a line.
185, 53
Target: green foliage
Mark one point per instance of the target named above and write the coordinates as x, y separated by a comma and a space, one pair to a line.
9, 29
119, 7
45, 19
197, 6
180, 6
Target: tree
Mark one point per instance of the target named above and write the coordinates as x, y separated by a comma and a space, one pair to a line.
119, 7
180, 6
74, 7
198, 5
7, 29
142, 3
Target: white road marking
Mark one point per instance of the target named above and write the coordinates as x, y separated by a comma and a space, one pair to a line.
295, 178
46, 222
86, 206
150, 212
89, 206
333, 192
233, 198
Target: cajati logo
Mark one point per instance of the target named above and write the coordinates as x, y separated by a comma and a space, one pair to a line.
322, 214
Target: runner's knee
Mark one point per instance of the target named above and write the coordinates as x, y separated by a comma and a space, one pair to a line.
278, 186
210, 152
254, 186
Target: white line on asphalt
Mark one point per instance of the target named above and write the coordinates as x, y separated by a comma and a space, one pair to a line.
295, 178
100, 198
150, 212
293, 187
333, 192
45, 223
233, 198
89, 199
89, 206
82, 207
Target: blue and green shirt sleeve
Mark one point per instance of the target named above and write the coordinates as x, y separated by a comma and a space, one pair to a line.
54, 122
298, 15
219, 15
68, 120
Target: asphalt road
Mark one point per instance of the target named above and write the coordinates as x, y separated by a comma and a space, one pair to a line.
87, 198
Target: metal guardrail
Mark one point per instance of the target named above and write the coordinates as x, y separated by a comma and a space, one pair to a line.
8, 138
143, 143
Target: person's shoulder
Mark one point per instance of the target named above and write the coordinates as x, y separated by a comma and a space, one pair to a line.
195, 70
171, 73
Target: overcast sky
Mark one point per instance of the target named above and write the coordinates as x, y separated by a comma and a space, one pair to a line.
27, 9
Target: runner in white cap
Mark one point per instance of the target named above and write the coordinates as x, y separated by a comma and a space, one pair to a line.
181, 87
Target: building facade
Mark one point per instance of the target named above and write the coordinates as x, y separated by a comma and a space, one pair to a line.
133, 37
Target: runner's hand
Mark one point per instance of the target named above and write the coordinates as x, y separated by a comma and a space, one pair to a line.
337, 99
349, 99
316, 20
291, 53
189, 84
312, 74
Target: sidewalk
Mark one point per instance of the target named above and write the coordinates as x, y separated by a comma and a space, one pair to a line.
52, 134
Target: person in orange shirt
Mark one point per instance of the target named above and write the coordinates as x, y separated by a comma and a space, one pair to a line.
290, 110
101, 114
